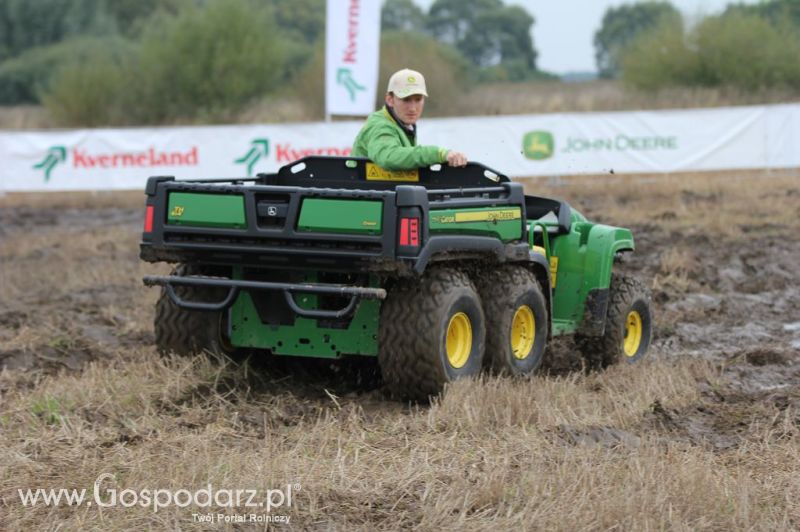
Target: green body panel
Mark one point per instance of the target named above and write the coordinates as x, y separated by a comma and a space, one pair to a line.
306, 337
341, 216
585, 260
206, 210
504, 223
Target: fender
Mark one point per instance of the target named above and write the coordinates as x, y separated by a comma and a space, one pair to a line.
541, 269
603, 242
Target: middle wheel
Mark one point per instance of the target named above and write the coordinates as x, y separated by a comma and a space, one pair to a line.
516, 320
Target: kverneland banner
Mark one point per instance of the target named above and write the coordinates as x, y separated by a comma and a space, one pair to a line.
519, 146
351, 56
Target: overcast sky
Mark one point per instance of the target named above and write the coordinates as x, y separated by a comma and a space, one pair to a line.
564, 29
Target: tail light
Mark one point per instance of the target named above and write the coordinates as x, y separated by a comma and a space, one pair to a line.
409, 232
148, 219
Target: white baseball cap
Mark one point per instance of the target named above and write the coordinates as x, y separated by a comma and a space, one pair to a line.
406, 82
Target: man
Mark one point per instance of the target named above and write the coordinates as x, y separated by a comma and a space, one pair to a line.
389, 136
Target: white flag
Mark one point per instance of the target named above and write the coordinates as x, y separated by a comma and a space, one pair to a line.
352, 43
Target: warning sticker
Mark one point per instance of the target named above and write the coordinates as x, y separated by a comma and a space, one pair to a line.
376, 173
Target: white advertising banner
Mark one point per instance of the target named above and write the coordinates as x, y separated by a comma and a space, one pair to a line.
351, 56
518, 146
598, 143
103, 159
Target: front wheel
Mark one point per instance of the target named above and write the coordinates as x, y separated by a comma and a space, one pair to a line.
629, 325
431, 332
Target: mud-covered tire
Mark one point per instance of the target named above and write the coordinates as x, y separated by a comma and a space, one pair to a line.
516, 320
629, 319
188, 332
415, 320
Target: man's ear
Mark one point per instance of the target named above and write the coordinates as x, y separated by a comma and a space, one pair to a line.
389, 99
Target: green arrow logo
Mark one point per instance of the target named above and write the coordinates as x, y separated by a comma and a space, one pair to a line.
55, 155
345, 77
258, 148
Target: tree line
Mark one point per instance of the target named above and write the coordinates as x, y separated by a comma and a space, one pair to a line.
651, 47
99, 62
126, 62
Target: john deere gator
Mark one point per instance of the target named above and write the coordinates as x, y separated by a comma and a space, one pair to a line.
438, 272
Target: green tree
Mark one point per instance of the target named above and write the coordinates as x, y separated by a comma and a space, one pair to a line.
778, 12
96, 91
132, 16
402, 15
487, 32
26, 24
302, 24
737, 50
209, 60
203, 64
659, 58
622, 25
23, 78
747, 52
301, 19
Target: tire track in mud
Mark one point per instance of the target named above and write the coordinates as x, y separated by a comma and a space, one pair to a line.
736, 303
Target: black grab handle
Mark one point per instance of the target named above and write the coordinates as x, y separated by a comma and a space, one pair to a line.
311, 313
233, 291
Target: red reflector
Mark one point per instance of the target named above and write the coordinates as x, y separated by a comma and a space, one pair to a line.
409, 232
404, 231
414, 236
148, 219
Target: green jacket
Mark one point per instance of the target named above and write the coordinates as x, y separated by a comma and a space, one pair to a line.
384, 142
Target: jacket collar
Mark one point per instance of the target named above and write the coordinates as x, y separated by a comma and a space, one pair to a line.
411, 131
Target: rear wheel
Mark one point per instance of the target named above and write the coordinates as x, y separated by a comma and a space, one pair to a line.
516, 320
187, 332
431, 332
629, 325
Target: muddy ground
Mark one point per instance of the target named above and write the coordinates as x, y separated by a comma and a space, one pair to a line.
734, 301
72, 296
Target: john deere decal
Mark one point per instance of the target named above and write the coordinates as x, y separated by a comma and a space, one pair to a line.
538, 145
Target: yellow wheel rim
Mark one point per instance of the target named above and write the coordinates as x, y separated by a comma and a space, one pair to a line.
633, 334
459, 340
523, 332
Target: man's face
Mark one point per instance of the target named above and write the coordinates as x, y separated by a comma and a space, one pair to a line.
409, 109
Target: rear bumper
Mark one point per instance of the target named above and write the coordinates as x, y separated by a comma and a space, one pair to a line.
234, 286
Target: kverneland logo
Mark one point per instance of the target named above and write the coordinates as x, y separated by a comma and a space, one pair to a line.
285, 153
143, 159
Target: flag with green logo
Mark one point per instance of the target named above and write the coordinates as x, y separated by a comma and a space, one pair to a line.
351, 56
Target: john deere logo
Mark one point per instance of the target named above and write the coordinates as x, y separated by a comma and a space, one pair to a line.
538, 145
55, 156
258, 148
412, 79
177, 211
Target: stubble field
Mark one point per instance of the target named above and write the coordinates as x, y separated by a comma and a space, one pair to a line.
705, 434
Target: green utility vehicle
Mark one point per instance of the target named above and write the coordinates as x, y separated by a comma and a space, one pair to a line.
437, 272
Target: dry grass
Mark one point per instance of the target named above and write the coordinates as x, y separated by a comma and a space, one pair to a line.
547, 453
672, 443
485, 99
554, 97
24, 117
728, 204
